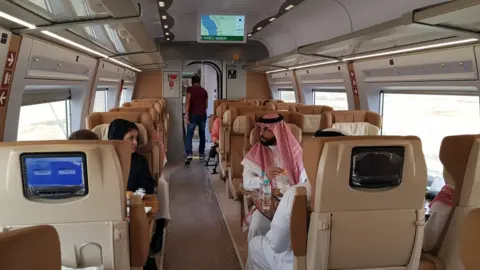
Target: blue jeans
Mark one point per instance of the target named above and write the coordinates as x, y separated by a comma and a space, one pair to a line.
196, 120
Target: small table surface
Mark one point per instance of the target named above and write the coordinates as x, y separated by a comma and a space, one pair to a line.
273, 206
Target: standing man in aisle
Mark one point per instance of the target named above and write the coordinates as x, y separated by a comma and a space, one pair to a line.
195, 115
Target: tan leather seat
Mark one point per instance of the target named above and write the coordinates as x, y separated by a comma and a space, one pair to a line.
235, 146
163, 116
356, 223
87, 222
311, 123
36, 247
313, 109
288, 107
355, 123
150, 149
470, 241
460, 156
224, 137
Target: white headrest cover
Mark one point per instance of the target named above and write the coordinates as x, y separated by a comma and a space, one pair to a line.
357, 128
102, 133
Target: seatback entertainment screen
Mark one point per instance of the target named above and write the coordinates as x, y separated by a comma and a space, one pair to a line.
54, 175
222, 29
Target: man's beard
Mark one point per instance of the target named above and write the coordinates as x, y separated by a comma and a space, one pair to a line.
269, 142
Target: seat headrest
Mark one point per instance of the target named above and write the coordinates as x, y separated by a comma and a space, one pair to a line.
36, 247
313, 109
288, 107
310, 123
96, 118
343, 167
150, 110
460, 158
358, 116
296, 131
102, 133
159, 107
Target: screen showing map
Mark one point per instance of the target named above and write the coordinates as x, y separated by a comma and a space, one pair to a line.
222, 28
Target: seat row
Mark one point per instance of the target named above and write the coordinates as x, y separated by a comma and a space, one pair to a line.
372, 217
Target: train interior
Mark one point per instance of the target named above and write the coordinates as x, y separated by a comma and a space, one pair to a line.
400, 78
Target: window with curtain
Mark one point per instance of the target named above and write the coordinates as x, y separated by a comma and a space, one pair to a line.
100, 104
44, 121
287, 95
336, 100
431, 117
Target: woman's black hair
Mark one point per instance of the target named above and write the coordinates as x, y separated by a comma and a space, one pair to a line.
328, 133
119, 127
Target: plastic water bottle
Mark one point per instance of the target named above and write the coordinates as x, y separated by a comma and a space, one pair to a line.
266, 195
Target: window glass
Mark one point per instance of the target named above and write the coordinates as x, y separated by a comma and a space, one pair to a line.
287, 95
336, 100
431, 118
125, 96
100, 104
46, 121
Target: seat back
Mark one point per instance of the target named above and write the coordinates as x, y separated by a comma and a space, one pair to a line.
360, 218
313, 109
36, 247
288, 107
470, 240
355, 123
310, 123
460, 156
83, 183
163, 116
99, 122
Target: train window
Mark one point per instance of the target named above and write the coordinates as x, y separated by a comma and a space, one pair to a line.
431, 117
126, 96
44, 121
336, 100
287, 95
100, 104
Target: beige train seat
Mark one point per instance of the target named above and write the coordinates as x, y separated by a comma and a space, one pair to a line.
36, 247
163, 116
310, 123
287, 107
470, 241
90, 212
224, 109
367, 196
99, 122
355, 123
313, 109
158, 135
234, 148
460, 156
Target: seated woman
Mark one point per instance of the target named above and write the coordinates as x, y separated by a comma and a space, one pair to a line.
140, 176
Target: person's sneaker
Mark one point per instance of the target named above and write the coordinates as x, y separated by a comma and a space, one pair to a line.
202, 157
188, 160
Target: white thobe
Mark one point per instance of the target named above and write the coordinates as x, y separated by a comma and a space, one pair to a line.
259, 224
273, 251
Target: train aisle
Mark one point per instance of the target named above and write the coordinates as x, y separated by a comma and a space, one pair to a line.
197, 237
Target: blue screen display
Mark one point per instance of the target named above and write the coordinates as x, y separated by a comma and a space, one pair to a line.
43, 172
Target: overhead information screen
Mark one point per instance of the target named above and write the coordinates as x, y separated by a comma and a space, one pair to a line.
222, 28
54, 175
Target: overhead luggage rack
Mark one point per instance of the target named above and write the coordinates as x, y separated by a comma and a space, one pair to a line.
104, 28
442, 25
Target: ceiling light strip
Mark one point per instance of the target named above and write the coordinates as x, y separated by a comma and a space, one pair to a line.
64, 40
17, 20
123, 64
277, 70
314, 64
433, 46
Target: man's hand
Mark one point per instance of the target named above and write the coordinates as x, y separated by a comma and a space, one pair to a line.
187, 119
273, 172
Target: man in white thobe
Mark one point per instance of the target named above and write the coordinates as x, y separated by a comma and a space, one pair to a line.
273, 250
279, 156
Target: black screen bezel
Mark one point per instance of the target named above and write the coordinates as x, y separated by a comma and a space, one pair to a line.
399, 150
23, 167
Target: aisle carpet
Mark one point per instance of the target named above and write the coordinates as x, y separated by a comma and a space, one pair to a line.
197, 237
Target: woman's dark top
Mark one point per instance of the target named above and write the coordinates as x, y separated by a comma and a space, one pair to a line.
140, 176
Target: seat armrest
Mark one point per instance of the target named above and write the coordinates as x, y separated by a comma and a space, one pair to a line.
299, 228
139, 228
